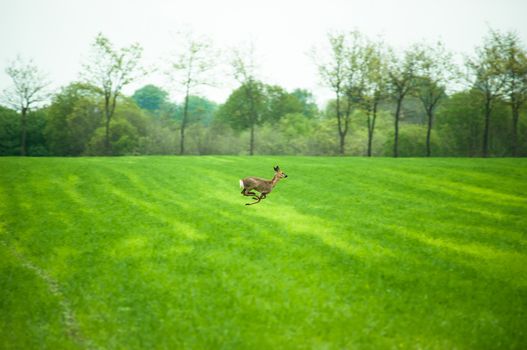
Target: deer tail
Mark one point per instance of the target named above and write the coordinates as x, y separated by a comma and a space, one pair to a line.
241, 184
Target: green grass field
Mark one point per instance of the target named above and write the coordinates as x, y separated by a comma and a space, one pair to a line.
346, 253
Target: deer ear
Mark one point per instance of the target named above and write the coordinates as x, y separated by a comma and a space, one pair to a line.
276, 168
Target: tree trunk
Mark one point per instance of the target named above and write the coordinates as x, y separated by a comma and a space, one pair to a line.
429, 132
396, 139
485, 151
253, 117
182, 139
183, 126
342, 143
343, 131
339, 124
514, 138
370, 137
251, 142
107, 115
23, 132
371, 127
107, 146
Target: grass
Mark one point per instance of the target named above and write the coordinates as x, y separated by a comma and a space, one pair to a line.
161, 252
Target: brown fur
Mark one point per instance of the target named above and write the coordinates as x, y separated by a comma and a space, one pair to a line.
261, 185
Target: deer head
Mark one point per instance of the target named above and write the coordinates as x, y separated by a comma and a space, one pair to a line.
279, 173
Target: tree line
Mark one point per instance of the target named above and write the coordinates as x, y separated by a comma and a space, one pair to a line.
418, 102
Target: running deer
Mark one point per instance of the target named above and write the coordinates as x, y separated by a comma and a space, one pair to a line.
261, 185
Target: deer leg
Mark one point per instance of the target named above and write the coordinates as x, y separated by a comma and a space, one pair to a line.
249, 193
258, 199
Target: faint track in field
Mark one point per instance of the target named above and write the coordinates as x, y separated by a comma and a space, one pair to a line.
72, 326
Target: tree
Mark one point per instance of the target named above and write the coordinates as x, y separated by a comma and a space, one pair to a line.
401, 80
434, 71
199, 109
278, 102
333, 72
374, 86
28, 90
72, 117
256, 104
150, 97
291, 135
245, 109
9, 132
244, 69
307, 101
487, 78
357, 56
191, 69
109, 70
128, 130
514, 70
241, 112
355, 70
460, 125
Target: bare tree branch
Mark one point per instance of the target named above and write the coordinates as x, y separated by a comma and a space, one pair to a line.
189, 70
111, 69
29, 90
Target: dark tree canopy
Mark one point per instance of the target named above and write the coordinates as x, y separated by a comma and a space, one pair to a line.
150, 97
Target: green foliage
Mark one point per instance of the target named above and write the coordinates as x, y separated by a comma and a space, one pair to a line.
269, 104
72, 118
461, 126
222, 139
36, 141
109, 70
200, 110
244, 107
289, 136
161, 252
412, 141
324, 141
278, 103
307, 101
68, 128
459, 120
150, 97
161, 138
366, 78
9, 132
127, 130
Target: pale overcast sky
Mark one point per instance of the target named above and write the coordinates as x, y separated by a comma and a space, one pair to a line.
57, 34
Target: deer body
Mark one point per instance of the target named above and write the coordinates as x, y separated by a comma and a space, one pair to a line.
263, 186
